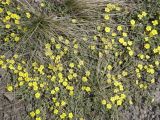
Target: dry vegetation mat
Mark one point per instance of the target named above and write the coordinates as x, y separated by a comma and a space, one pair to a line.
79, 59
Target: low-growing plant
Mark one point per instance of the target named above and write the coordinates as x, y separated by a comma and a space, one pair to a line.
73, 59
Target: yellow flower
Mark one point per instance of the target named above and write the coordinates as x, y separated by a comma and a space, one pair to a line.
37, 95
38, 111
118, 8
56, 89
70, 115
47, 46
153, 81
119, 28
124, 44
123, 96
144, 13
28, 15
75, 46
1, 62
106, 17
21, 83
124, 73
131, 53
130, 102
71, 65
63, 115
9, 13
151, 71
124, 34
147, 46
32, 114
70, 76
137, 70
7, 2
88, 73
1, 10
57, 104
116, 90
107, 10
88, 89
52, 40
137, 82
116, 83
109, 106
147, 57
103, 102
53, 92
38, 118
35, 87
60, 75
54, 99
141, 56
153, 33
55, 111
30, 84
17, 22
6, 39
63, 103
40, 69
148, 28
84, 79
138, 75
7, 18
109, 75
16, 39
10, 88
130, 43
42, 4
146, 39
109, 67
13, 15
155, 22
140, 66
100, 54
114, 34
112, 99
145, 86
132, 22
93, 47
107, 29
121, 40
15, 56
140, 16
98, 28
65, 83
141, 85
58, 46
71, 88
8, 26
156, 62
41, 85
74, 21
119, 102
71, 93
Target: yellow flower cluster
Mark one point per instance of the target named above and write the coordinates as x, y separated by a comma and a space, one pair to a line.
110, 64
11, 21
140, 50
142, 15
